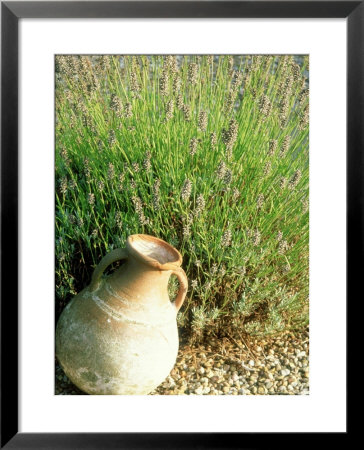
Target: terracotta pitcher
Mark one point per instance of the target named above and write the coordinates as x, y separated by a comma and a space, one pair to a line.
119, 335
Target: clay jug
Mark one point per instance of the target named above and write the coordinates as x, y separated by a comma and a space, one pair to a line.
119, 335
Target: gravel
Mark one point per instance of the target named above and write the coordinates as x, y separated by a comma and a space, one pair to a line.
230, 366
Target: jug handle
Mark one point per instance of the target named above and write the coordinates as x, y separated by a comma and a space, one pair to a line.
115, 255
182, 278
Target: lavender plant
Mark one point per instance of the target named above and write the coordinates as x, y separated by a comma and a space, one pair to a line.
209, 153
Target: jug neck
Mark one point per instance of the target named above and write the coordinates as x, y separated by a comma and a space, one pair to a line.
144, 277
147, 271
138, 282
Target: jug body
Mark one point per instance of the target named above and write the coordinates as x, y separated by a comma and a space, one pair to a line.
119, 335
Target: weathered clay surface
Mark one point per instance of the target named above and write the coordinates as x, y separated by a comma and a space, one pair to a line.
121, 337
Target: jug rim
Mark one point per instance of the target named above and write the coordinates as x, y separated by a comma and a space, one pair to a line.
166, 260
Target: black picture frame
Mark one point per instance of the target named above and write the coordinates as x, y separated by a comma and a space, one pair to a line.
11, 12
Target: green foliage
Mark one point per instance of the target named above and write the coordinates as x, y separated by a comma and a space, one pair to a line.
207, 153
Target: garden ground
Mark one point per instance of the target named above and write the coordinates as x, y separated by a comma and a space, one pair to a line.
247, 365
